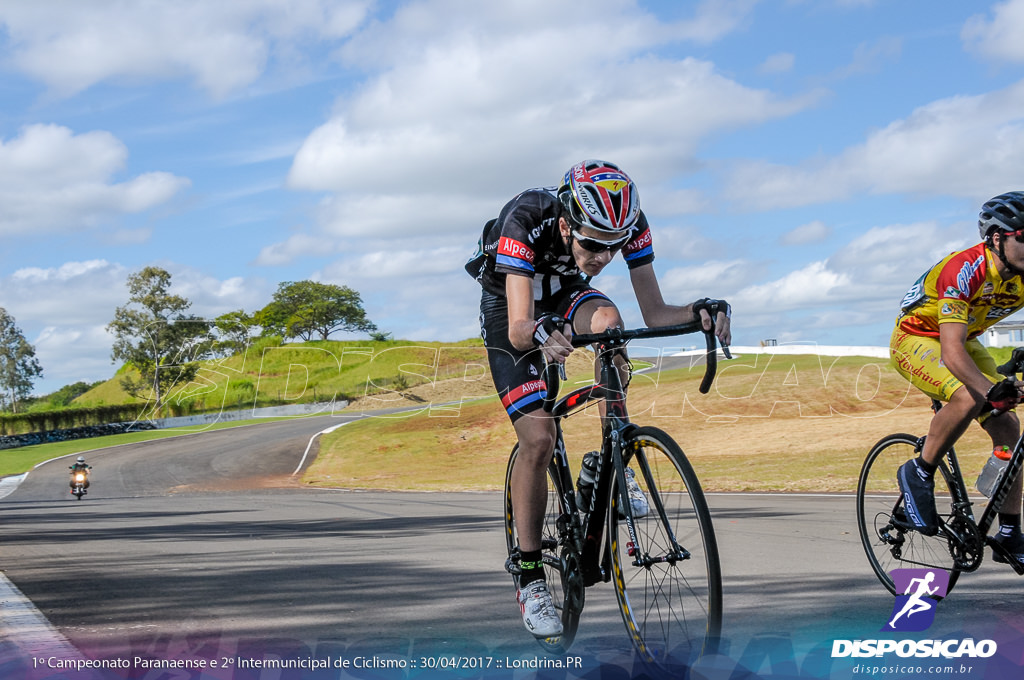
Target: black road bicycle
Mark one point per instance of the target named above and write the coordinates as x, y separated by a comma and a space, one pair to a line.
959, 546
664, 563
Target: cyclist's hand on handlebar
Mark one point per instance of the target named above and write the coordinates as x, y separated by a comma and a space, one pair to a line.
722, 311
1004, 395
553, 335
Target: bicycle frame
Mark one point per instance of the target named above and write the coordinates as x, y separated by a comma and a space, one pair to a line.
955, 479
615, 428
951, 470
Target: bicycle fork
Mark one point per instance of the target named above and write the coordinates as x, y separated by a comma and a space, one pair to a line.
641, 558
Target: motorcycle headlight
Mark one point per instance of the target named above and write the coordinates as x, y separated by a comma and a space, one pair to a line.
80, 477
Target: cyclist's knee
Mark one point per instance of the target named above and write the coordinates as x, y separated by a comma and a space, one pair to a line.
605, 317
536, 439
1003, 428
597, 316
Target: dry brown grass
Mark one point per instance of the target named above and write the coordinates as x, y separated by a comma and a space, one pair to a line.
795, 424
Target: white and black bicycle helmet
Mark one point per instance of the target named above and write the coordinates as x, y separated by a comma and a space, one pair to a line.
599, 195
1005, 212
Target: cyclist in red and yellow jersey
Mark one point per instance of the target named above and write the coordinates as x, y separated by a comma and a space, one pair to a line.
935, 346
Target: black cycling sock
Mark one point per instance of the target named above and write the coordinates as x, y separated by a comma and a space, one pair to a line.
926, 467
532, 566
1009, 524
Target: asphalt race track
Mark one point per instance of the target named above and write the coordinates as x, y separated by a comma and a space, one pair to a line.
206, 545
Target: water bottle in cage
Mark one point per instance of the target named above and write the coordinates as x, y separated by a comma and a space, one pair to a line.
993, 471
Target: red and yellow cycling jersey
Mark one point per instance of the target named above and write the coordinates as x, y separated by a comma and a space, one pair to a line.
965, 287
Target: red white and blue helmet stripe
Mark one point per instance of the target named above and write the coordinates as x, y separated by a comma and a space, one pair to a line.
599, 195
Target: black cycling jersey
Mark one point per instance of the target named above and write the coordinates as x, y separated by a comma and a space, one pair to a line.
524, 240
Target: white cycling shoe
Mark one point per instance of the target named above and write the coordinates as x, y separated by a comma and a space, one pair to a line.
539, 614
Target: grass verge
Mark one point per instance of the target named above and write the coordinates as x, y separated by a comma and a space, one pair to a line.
771, 423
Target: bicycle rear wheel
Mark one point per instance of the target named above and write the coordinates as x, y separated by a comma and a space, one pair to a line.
670, 602
561, 566
880, 516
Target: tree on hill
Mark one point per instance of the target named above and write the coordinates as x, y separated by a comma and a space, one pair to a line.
155, 336
305, 309
234, 331
67, 394
18, 364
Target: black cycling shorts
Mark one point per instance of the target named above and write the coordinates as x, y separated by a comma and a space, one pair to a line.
517, 374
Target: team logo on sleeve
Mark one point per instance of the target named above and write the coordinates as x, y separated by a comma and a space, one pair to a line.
513, 253
954, 310
953, 292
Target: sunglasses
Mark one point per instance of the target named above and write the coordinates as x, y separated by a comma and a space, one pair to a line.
596, 245
1018, 235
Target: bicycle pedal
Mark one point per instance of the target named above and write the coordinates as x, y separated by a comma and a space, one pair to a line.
512, 563
1004, 556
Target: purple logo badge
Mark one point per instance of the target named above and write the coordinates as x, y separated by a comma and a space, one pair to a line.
914, 610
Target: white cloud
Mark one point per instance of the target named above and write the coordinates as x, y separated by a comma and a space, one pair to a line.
812, 232
873, 271
52, 180
810, 285
384, 140
967, 146
90, 360
64, 310
777, 63
295, 246
533, 100
223, 46
406, 263
997, 37
869, 57
72, 294
683, 285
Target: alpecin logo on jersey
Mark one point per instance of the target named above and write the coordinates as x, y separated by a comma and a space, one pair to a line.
914, 610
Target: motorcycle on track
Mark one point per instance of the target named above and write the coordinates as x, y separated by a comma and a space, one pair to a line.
80, 478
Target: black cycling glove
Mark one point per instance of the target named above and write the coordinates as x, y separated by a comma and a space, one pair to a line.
545, 326
713, 307
1003, 396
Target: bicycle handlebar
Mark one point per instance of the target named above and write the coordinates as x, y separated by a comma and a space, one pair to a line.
618, 337
1015, 365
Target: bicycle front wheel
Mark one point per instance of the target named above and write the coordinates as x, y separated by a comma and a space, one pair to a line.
561, 566
883, 523
669, 582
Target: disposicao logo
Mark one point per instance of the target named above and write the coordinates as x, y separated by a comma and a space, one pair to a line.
914, 610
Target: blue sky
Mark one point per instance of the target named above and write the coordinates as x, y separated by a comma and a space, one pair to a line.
806, 160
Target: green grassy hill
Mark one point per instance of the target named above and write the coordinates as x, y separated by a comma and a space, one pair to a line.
270, 373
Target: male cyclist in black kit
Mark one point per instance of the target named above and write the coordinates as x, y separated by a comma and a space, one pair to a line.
534, 263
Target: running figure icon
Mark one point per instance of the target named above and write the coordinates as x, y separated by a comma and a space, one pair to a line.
922, 589
916, 602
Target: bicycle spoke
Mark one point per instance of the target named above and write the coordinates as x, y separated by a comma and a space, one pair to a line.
885, 534
566, 588
671, 606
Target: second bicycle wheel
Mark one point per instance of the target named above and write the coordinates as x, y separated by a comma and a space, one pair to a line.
881, 519
561, 570
670, 601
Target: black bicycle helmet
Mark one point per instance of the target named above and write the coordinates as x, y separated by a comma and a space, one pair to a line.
1005, 212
